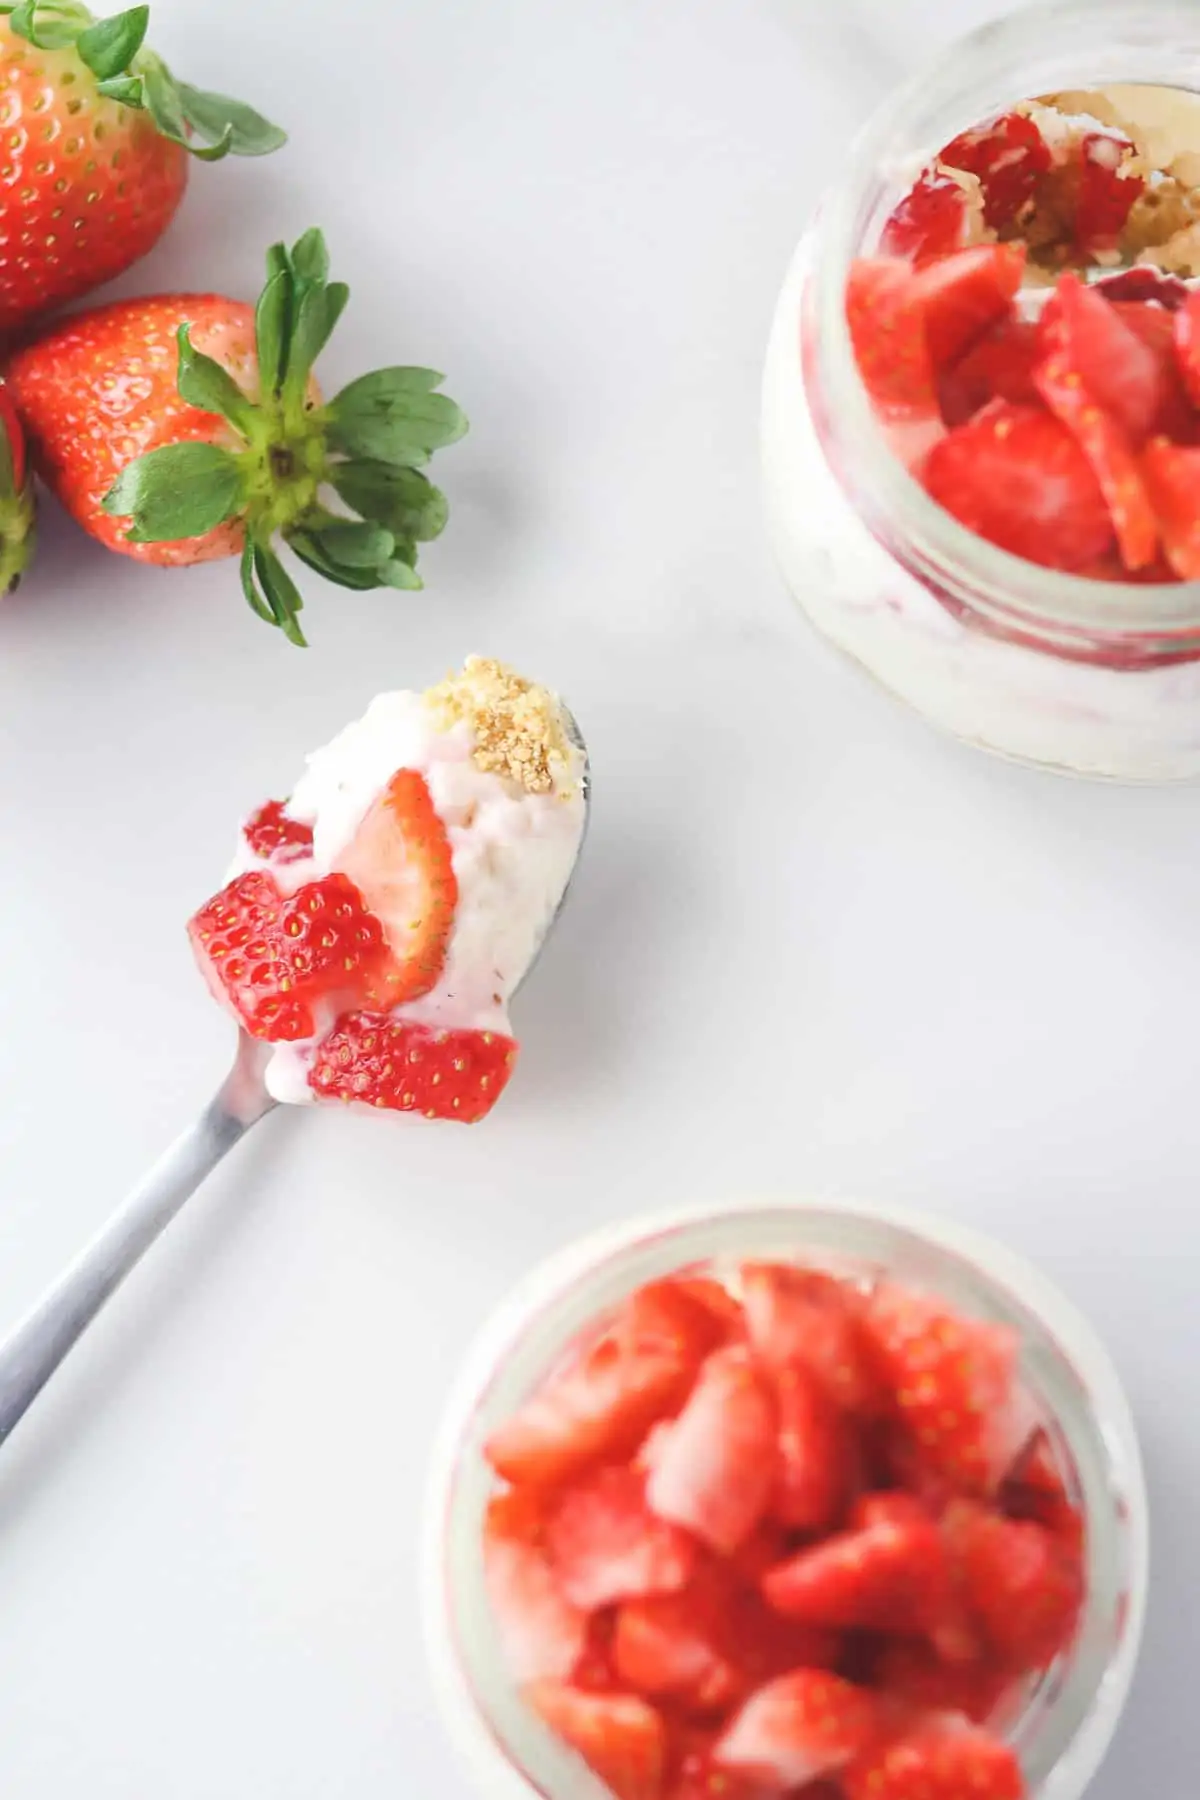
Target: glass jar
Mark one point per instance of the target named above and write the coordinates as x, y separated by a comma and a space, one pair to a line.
1063, 1725
1089, 677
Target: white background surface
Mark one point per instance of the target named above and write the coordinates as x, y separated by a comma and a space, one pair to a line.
813, 947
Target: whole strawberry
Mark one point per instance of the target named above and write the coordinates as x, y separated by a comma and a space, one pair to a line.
16, 498
97, 135
187, 427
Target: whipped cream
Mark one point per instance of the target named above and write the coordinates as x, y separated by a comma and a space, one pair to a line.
512, 852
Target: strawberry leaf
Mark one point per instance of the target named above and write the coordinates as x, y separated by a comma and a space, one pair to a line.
250, 585
283, 596
392, 414
318, 310
126, 89
180, 491
231, 123
356, 546
273, 320
109, 46
309, 549
205, 384
310, 257
53, 33
400, 574
400, 498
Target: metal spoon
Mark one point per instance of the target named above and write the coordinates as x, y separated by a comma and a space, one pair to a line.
37, 1346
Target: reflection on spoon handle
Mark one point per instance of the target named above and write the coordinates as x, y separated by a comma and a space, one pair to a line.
38, 1345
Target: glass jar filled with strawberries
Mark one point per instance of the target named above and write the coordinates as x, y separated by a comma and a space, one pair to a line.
982, 397
786, 1500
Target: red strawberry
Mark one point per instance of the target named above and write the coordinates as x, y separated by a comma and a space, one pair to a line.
400, 860
1107, 191
1022, 1583
1010, 156
1171, 474
800, 1316
803, 1726
541, 1632
952, 1381
1121, 372
606, 1545
715, 1469
1187, 344
960, 296
1034, 1488
891, 1576
17, 535
675, 1647
379, 1060
888, 335
938, 1762
272, 835
97, 133
815, 1453
600, 1402
1110, 454
1018, 478
272, 958
621, 1739
910, 1671
214, 444
929, 221
999, 366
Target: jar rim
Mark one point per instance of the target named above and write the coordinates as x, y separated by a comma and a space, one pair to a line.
1046, 47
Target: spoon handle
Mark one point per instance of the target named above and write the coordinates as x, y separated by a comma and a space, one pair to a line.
37, 1346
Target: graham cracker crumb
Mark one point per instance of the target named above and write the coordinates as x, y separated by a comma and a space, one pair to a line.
517, 726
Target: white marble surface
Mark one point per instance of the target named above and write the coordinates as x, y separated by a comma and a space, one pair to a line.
814, 947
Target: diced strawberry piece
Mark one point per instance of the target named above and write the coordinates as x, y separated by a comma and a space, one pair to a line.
890, 1576
694, 1776
601, 1401
1175, 417
768, 1544
1171, 473
1145, 282
815, 1453
763, 1643
1187, 344
1107, 191
272, 835
675, 1647
960, 296
1017, 477
1022, 1583
716, 1297
596, 1669
952, 1381
541, 1632
621, 1739
606, 1545
1034, 1488
272, 958
911, 1671
998, 367
1121, 372
378, 1060
803, 1726
938, 1762
888, 334
929, 221
808, 1319
401, 861
717, 1466
1111, 456
1010, 156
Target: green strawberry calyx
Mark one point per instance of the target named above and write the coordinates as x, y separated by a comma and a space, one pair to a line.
18, 536
208, 126
297, 455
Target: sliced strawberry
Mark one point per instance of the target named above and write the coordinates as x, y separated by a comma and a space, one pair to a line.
541, 1632
1120, 371
912, 1672
1111, 456
1171, 473
960, 296
888, 334
1145, 282
938, 1762
815, 1453
382, 1061
675, 1647
952, 1381
272, 958
804, 1318
1017, 477
1010, 156
1187, 344
602, 1400
1107, 191
1034, 1488
803, 1726
606, 1545
621, 1739
400, 859
1175, 416
272, 835
716, 1468
890, 1576
718, 1300
929, 221
997, 367
1022, 1583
